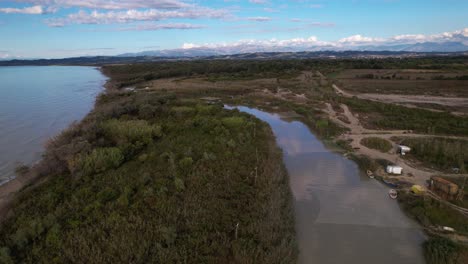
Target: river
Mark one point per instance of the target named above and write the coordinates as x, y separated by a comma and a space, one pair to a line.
37, 103
342, 216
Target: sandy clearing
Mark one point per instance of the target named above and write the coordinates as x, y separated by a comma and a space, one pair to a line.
410, 100
357, 133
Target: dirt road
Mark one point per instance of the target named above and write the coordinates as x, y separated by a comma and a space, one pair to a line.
411, 100
358, 132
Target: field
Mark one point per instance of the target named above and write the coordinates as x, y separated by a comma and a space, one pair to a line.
376, 115
436, 90
409, 82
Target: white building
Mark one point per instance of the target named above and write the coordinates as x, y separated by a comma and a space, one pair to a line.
397, 170
403, 149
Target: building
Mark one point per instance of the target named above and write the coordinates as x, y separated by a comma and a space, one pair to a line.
444, 188
403, 149
392, 169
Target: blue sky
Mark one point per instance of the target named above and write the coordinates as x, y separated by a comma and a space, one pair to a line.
63, 28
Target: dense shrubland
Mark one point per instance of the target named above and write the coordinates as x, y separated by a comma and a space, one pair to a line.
439, 250
444, 153
391, 116
131, 74
380, 144
430, 212
147, 178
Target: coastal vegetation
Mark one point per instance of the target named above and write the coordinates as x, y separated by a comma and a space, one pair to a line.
439, 250
160, 175
430, 212
154, 178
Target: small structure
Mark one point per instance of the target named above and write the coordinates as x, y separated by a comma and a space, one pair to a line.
392, 169
448, 229
417, 189
393, 194
403, 149
444, 188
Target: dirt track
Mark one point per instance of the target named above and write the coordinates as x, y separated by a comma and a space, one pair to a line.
410, 100
358, 132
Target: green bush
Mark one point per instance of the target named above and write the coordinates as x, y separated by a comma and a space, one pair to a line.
234, 122
5, 256
364, 162
131, 131
100, 160
380, 144
430, 212
440, 250
147, 111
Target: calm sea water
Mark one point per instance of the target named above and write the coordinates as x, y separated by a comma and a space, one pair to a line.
342, 216
36, 103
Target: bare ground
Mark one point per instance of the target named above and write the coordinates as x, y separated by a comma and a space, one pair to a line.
411, 100
358, 132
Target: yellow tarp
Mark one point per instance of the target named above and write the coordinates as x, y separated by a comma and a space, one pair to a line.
417, 189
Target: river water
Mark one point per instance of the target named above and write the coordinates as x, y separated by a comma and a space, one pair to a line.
36, 103
342, 216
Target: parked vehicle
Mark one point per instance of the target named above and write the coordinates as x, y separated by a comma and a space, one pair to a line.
393, 169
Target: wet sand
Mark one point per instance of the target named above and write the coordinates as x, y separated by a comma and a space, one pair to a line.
342, 216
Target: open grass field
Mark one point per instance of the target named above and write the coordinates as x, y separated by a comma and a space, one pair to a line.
380, 144
410, 82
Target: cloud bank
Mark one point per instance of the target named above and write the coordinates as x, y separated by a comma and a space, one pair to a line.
133, 15
348, 43
112, 4
33, 10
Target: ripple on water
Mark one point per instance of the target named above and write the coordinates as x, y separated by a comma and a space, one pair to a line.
341, 216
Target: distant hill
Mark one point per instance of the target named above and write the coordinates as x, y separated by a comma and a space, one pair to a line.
207, 55
256, 48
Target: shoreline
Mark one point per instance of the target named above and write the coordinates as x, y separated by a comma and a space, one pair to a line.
9, 188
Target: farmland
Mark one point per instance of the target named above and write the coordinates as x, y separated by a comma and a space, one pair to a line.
409, 82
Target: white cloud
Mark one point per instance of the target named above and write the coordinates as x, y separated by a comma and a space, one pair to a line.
272, 43
358, 39
112, 4
313, 43
96, 17
4, 55
258, 2
259, 19
32, 10
154, 27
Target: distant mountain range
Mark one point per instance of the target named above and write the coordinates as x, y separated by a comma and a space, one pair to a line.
257, 48
209, 54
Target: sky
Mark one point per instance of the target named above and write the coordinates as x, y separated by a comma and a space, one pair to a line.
67, 28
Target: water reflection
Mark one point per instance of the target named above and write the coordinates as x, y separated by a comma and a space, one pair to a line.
36, 103
341, 216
